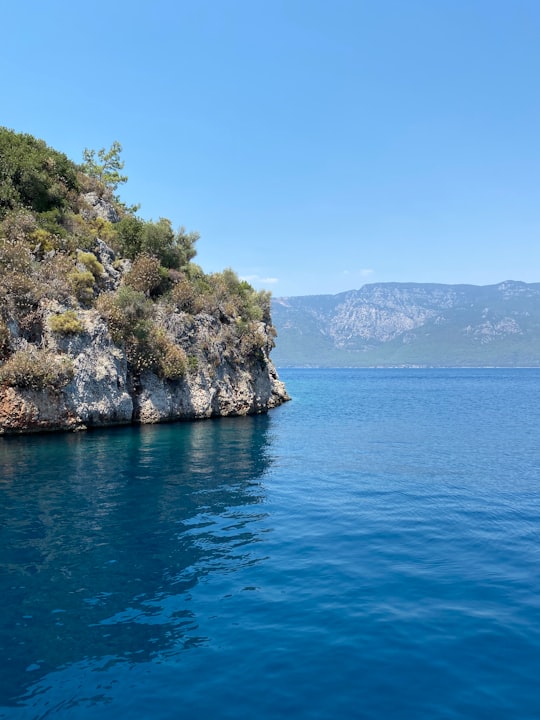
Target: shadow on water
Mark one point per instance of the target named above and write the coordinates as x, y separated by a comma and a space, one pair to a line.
105, 534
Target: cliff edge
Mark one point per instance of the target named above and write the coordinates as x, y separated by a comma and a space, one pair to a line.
105, 319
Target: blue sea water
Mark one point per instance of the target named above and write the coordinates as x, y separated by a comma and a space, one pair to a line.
370, 550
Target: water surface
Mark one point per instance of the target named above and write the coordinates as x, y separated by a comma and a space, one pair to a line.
369, 550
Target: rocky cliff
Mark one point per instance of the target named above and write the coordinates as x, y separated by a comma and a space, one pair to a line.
104, 318
222, 377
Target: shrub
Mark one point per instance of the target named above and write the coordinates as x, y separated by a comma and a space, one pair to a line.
53, 221
272, 335
252, 338
133, 304
145, 275
252, 342
230, 297
91, 263
174, 363
81, 233
173, 276
127, 311
67, 323
15, 256
19, 291
129, 317
18, 226
82, 283
103, 229
142, 353
36, 369
171, 360
31, 326
44, 240
113, 315
259, 306
184, 296
53, 277
150, 349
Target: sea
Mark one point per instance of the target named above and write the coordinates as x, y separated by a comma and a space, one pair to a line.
369, 550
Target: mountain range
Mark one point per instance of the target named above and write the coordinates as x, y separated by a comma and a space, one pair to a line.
409, 325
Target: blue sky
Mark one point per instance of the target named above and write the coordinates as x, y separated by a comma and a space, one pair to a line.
315, 145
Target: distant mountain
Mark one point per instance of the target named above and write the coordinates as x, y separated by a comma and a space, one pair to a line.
411, 324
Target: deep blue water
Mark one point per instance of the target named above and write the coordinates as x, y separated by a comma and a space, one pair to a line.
370, 550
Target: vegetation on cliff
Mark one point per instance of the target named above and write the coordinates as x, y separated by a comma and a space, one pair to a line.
67, 238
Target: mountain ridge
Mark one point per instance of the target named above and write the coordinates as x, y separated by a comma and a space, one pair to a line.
411, 324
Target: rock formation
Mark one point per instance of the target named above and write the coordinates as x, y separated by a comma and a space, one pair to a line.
104, 318
220, 379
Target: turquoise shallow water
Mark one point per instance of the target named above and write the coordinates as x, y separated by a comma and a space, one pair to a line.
369, 550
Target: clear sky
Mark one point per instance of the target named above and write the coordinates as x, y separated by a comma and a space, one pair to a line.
316, 145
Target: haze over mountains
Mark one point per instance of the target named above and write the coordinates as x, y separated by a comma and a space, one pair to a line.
411, 324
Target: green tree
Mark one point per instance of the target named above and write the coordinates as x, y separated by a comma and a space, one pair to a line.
129, 236
173, 249
106, 168
33, 176
158, 239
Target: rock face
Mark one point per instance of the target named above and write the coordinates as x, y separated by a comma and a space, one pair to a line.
34, 411
99, 207
222, 378
220, 381
224, 382
410, 324
96, 335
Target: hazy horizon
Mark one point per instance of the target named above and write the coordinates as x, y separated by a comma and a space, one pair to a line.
275, 296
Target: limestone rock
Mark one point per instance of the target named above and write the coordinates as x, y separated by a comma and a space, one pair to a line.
111, 277
99, 207
222, 378
25, 411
